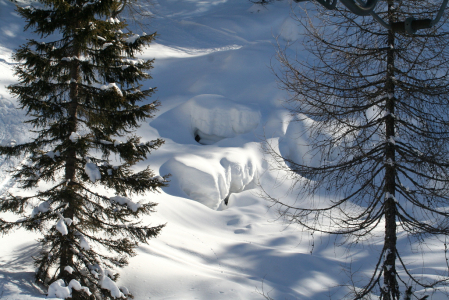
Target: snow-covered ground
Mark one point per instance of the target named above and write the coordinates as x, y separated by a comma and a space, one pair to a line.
219, 104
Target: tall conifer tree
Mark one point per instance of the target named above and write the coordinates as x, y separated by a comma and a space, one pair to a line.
79, 84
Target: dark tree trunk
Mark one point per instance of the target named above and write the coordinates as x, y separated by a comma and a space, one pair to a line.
70, 172
391, 288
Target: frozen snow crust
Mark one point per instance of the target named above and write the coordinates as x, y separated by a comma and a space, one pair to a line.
213, 80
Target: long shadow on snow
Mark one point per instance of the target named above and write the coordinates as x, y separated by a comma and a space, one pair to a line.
285, 275
15, 274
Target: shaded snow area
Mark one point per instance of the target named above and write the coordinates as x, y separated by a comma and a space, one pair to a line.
220, 102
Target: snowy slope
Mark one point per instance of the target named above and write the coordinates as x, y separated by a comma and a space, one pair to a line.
219, 100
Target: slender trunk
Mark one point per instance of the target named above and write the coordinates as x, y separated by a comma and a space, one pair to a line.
390, 290
70, 169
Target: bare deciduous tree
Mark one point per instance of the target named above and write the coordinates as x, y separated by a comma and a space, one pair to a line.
377, 103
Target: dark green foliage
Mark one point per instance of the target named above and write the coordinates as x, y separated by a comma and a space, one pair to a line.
80, 87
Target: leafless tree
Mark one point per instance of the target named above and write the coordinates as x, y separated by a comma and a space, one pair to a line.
377, 101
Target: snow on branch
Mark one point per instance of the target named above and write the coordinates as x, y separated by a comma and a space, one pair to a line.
92, 171
42, 207
134, 206
62, 224
74, 137
114, 86
61, 227
58, 289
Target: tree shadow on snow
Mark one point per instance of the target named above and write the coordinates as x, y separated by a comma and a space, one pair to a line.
17, 275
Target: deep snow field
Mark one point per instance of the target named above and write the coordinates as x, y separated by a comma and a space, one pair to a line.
220, 102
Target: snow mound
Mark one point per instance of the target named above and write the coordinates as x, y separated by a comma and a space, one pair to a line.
213, 118
295, 145
199, 178
239, 173
290, 30
211, 180
207, 119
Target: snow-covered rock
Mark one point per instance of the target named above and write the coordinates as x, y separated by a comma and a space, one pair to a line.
210, 180
200, 179
207, 119
213, 118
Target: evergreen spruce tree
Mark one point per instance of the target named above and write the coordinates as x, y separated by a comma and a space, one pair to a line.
79, 84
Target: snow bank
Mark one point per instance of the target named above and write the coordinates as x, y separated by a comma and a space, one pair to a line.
295, 144
210, 180
207, 119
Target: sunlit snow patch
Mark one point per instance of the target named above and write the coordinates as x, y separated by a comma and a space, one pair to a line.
159, 51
